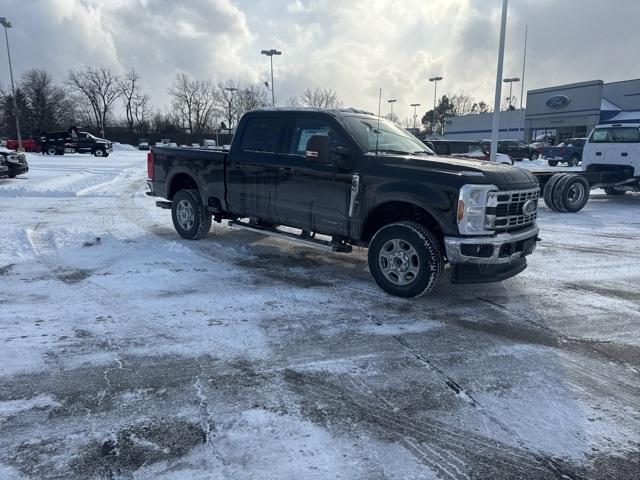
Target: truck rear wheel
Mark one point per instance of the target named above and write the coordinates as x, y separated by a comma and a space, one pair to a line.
190, 217
553, 163
52, 151
549, 191
571, 193
405, 259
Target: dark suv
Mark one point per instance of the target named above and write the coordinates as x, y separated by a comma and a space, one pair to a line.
516, 149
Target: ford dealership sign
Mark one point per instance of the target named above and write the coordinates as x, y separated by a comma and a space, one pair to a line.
558, 101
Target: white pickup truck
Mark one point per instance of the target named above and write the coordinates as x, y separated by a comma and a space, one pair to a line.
610, 160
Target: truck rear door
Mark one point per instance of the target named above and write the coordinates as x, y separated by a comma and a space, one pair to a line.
253, 167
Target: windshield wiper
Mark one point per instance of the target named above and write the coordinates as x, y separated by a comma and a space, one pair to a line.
387, 150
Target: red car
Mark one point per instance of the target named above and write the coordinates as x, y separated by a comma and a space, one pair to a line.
28, 144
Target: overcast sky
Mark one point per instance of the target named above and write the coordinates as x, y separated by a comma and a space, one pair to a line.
352, 46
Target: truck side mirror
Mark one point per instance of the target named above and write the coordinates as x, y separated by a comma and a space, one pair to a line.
318, 149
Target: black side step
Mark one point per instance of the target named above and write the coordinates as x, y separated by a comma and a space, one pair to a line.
163, 204
304, 238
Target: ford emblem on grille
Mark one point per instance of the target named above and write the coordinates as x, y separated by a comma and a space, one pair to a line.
529, 207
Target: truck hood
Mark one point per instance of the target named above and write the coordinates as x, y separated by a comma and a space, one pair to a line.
505, 177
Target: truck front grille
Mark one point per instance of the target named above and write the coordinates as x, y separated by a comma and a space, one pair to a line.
506, 210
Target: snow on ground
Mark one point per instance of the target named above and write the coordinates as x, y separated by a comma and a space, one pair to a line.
130, 353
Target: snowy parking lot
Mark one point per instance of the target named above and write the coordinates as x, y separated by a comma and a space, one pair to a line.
127, 352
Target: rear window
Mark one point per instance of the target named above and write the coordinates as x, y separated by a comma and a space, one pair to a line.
262, 134
616, 135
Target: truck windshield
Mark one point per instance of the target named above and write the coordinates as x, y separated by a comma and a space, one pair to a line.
384, 136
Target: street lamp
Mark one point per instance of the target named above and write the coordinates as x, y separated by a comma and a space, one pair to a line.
391, 102
270, 53
510, 81
415, 114
230, 90
435, 81
7, 24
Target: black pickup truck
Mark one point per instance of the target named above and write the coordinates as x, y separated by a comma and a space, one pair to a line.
356, 180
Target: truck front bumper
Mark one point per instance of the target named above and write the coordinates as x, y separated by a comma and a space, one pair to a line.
489, 259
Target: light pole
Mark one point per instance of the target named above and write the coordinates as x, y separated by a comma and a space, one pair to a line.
511, 81
415, 114
230, 90
391, 102
7, 24
435, 81
495, 128
270, 53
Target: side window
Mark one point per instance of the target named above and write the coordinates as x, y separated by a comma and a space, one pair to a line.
262, 134
305, 128
616, 135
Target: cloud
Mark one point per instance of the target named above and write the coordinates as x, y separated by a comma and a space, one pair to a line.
355, 46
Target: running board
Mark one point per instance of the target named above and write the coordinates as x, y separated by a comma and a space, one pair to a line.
163, 204
339, 247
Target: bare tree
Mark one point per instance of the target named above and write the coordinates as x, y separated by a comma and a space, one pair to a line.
320, 98
461, 104
194, 102
480, 107
392, 117
47, 103
227, 102
135, 103
100, 87
250, 97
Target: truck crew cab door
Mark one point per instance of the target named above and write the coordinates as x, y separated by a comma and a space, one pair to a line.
312, 195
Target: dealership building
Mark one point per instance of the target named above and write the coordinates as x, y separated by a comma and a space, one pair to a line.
562, 112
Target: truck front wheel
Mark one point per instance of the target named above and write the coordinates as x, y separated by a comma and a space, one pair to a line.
405, 259
190, 217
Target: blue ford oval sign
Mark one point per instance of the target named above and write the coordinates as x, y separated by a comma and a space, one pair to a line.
558, 101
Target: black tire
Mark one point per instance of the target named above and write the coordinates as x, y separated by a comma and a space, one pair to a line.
190, 217
99, 152
573, 161
571, 193
52, 151
612, 192
552, 163
533, 156
549, 189
417, 259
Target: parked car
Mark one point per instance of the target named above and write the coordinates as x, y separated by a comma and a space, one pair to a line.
465, 149
569, 152
16, 163
28, 144
4, 169
74, 141
347, 177
143, 146
516, 149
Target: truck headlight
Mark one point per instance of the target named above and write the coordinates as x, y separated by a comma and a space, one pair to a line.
471, 211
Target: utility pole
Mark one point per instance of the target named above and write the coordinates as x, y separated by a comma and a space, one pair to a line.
415, 113
495, 131
524, 64
435, 81
7, 24
391, 102
230, 90
270, 53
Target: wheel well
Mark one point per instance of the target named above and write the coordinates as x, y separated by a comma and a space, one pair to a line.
396, 212
181, 181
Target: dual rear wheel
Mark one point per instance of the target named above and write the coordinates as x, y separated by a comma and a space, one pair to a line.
566, 192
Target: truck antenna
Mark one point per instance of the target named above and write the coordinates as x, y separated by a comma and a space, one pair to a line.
378, 129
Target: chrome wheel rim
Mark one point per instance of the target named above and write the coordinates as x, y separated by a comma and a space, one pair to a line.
399, 262
576, 194
185, 215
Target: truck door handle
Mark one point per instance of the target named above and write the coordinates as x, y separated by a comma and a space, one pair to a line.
624, 154
598, 154
286, 169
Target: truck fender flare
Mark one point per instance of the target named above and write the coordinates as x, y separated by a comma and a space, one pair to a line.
178, 171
